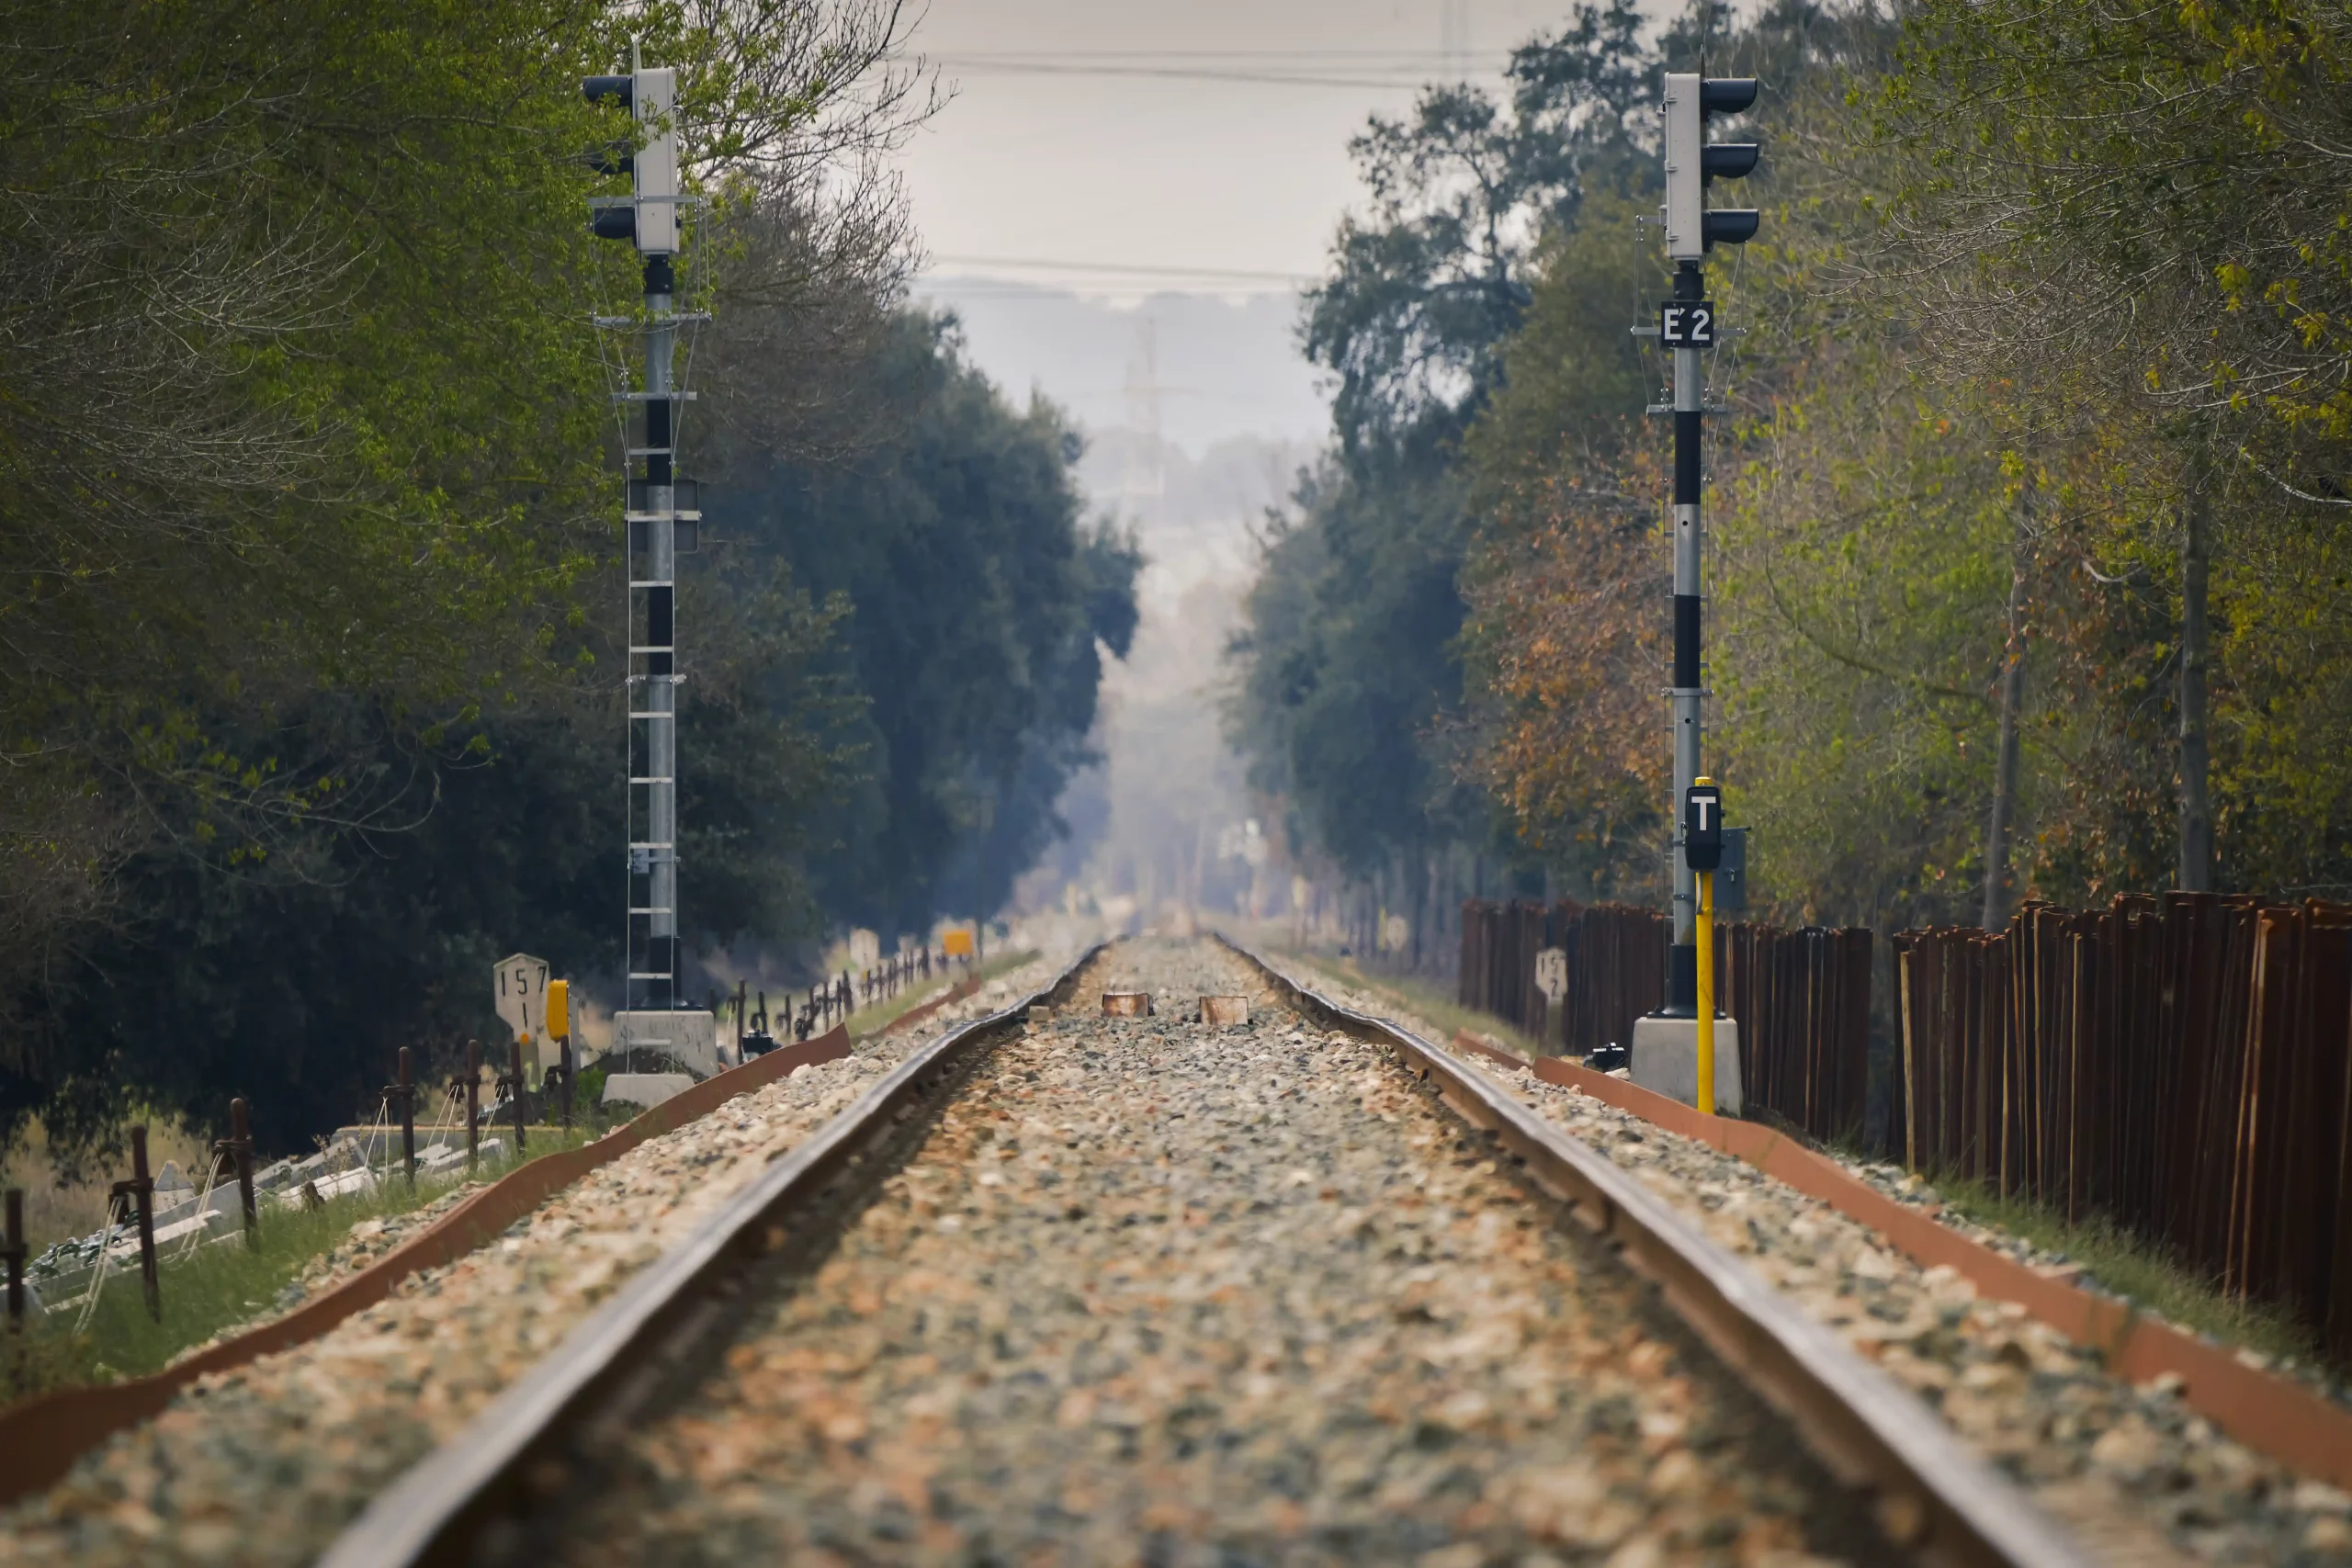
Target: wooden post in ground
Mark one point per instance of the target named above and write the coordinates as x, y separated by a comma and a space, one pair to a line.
473, 1103
140, 1191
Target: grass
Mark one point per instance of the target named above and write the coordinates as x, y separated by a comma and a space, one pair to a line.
57, 1207
2140, 1271
867, 1022
218, 1288
226, 1284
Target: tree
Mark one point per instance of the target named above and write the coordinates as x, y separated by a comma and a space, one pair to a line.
2003, 387
2154, 192
310, 566
977, 601
1350, 683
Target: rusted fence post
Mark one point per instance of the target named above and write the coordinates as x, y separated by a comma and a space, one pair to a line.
12, 1253
473, 1103
12, 1260
408, 1113
513, 1084
563, 1069
140, 1191
238, 1149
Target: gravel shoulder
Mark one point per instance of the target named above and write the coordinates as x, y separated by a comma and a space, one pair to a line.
1156, 1293
2131, 1469
265, 1464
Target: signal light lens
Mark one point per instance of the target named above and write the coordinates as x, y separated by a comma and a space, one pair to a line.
1726, 95
1729, 160
1731, 226
614, 223
621, 90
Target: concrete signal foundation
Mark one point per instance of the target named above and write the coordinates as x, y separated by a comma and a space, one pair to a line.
1666, 1058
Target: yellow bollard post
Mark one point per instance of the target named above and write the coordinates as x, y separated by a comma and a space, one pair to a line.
1706, 937
1702, 850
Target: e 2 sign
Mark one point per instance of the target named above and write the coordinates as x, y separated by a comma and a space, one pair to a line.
1687, 323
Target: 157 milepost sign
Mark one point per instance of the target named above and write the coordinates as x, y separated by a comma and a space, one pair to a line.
518, 986
1687, 323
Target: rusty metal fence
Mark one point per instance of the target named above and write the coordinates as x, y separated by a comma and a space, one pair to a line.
1802, 1000
2182, 1066
1802, 997
1616, 968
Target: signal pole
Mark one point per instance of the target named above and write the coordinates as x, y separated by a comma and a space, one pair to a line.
1671, 1051
1689, 437
1687, 325
663, 516
653, 659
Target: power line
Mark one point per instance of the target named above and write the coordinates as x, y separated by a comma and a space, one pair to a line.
1126, 269
1178, 74
1424, 57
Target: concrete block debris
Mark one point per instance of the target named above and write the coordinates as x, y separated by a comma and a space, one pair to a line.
1224, 1012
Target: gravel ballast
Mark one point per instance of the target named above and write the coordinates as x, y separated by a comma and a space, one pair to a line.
1154, 1293
265, 1464
2137, 1476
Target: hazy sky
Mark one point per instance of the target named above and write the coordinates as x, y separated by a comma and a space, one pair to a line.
1067, 141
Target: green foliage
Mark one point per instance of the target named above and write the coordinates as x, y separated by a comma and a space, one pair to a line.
1350, 680
294, 983
1348, 657
211, 1291
978, 602
1994, 357
2122, 1264
1425, 290
309, 519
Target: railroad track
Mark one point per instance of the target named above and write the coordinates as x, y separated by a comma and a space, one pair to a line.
1081, 1289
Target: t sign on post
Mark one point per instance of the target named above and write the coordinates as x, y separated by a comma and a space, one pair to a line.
1703, 827
1702, 850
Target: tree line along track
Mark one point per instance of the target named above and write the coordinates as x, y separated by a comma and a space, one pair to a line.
1077, 1288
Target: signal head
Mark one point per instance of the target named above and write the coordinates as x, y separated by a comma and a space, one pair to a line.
1690, 162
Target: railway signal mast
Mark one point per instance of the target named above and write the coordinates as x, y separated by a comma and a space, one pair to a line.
1665, 1045
663, 515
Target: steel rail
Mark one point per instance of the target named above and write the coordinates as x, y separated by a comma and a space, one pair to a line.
1936, 1497
475, 1489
